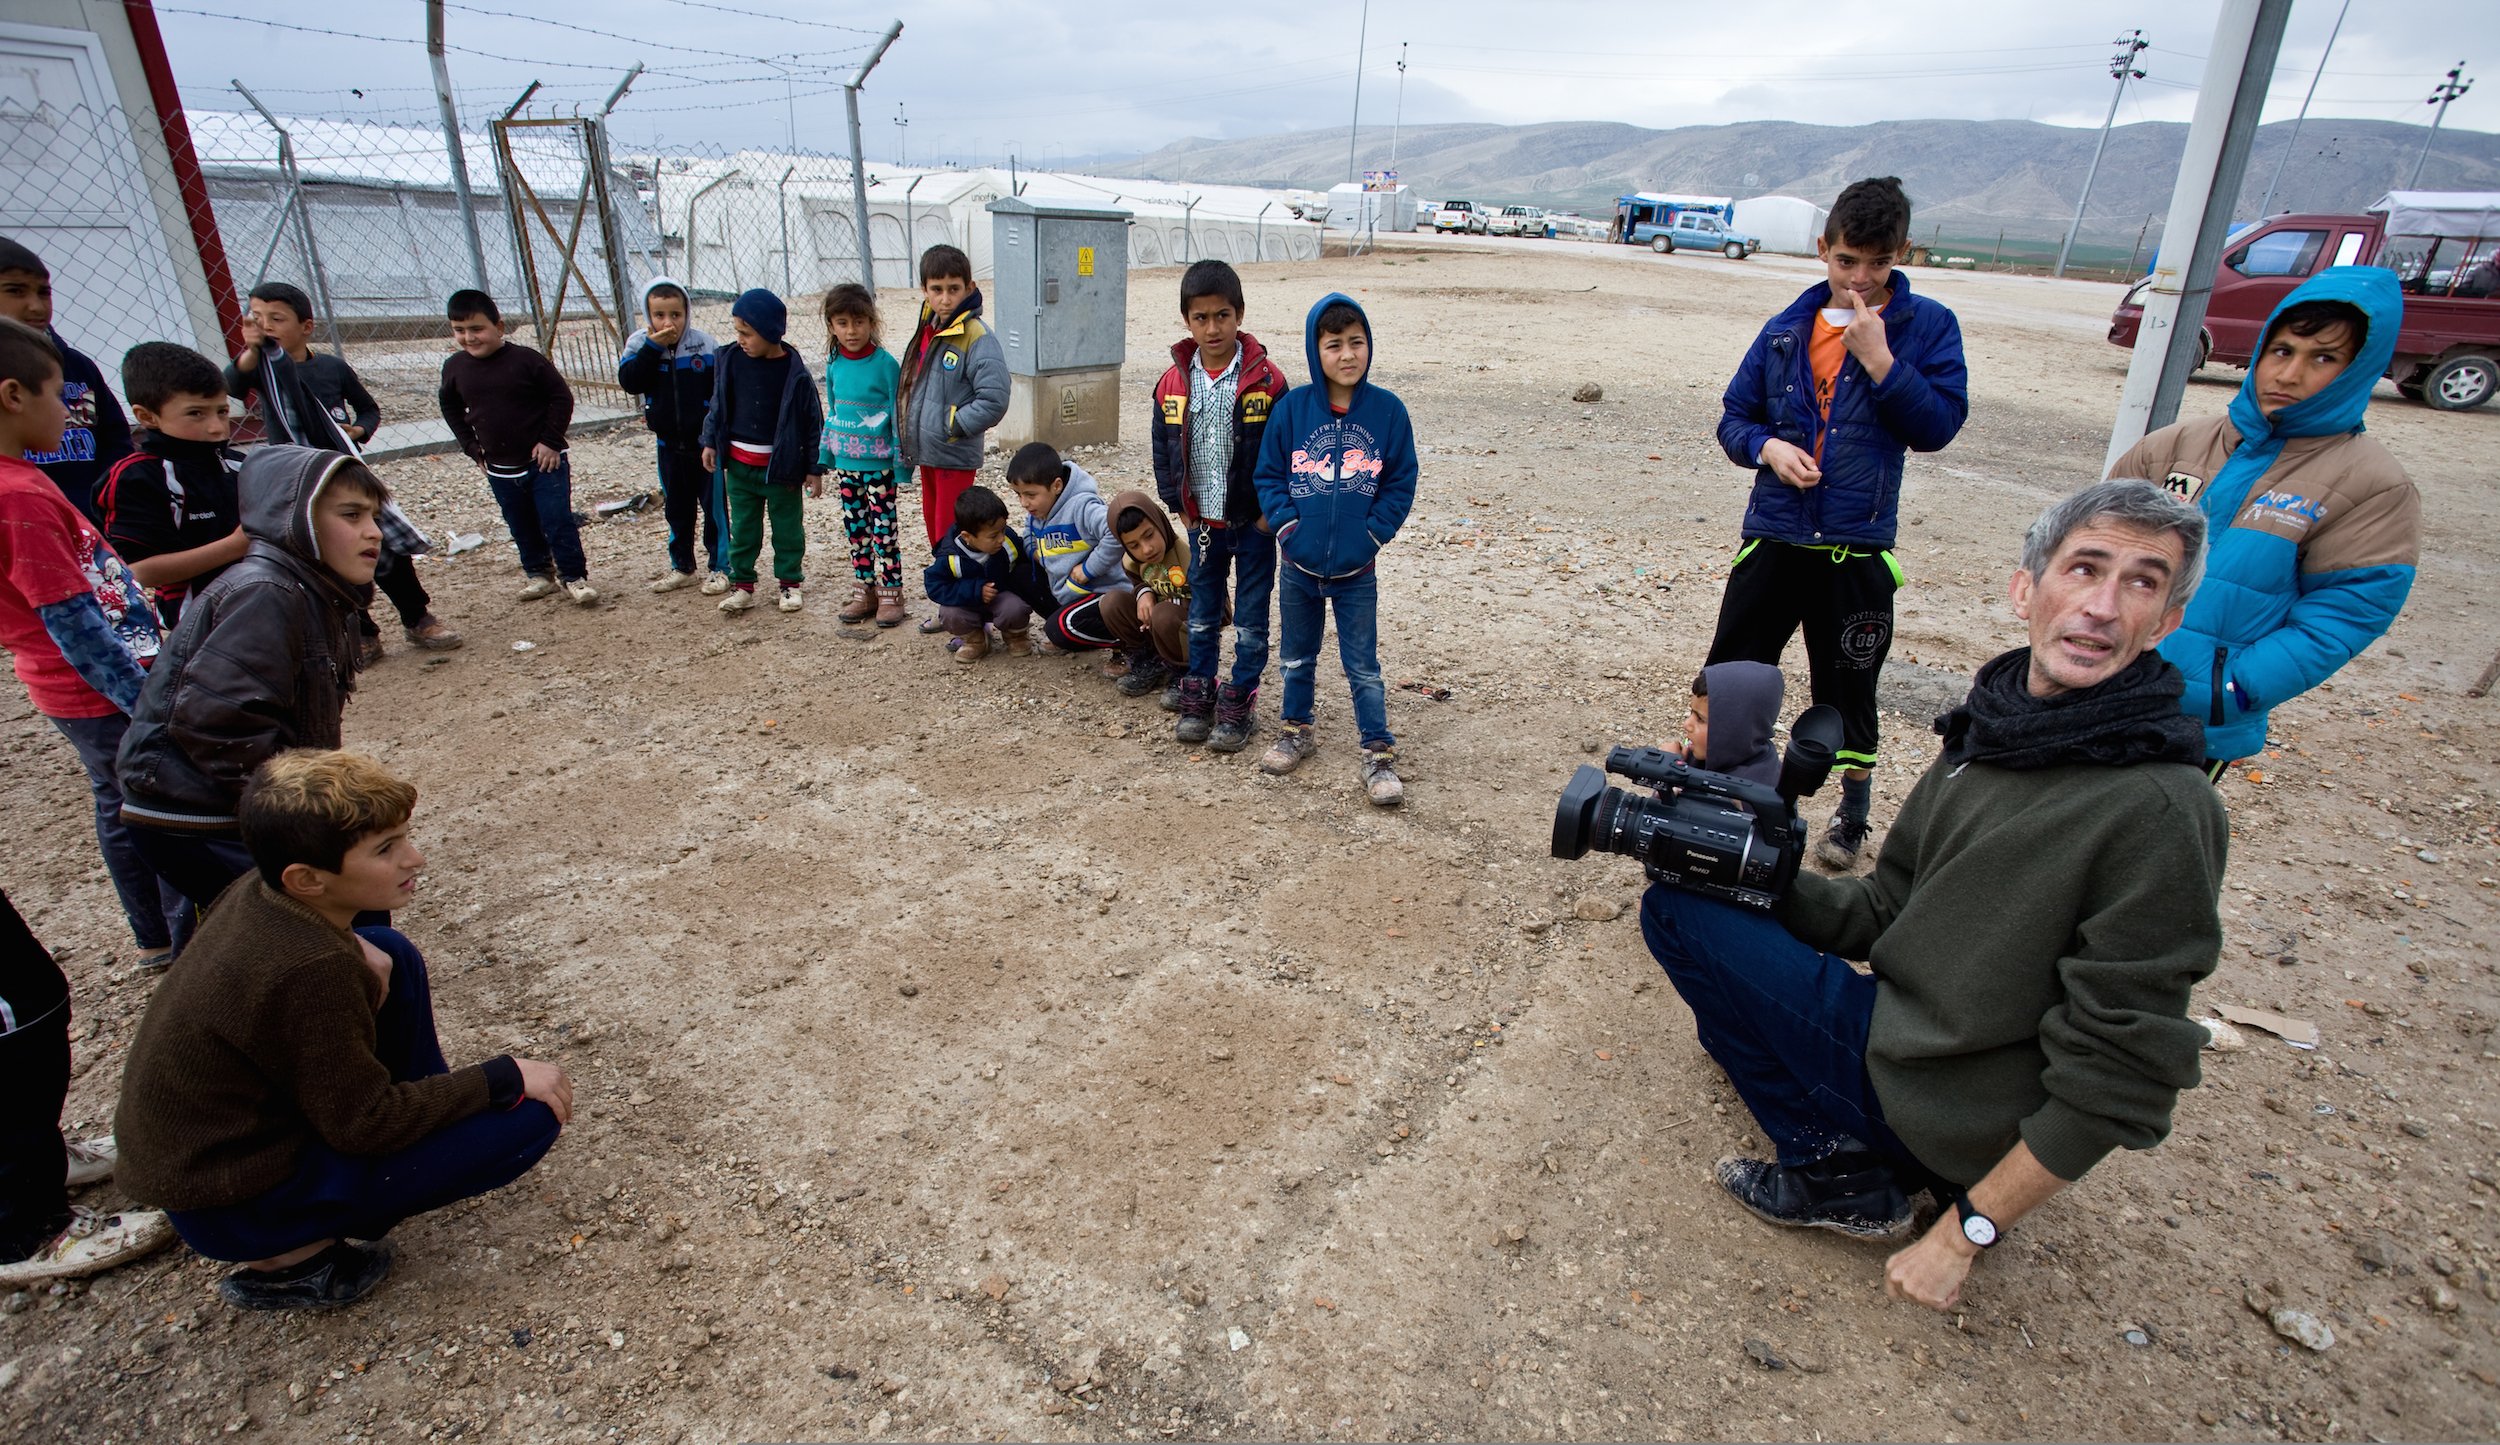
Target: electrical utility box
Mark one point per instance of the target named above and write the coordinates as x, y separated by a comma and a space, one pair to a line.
1059, 308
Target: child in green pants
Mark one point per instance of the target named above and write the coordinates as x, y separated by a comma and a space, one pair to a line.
761, 436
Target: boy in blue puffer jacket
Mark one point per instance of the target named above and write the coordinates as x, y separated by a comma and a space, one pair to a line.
2315, 526
1836, 388
1336, 475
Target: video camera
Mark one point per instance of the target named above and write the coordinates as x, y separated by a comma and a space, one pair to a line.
1706, 832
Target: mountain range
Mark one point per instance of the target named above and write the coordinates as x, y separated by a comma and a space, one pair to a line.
1967, 178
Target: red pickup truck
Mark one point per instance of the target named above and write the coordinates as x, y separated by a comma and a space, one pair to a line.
2440, 244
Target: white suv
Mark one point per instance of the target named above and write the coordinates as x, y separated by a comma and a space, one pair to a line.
1520, 221
1459, 216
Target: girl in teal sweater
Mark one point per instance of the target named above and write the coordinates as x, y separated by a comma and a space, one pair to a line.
861, 379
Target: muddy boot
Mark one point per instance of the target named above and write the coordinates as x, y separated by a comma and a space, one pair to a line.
861, 607
975, 646
1197, 711
1017, 642
889, 607
1236, 717
1146, 673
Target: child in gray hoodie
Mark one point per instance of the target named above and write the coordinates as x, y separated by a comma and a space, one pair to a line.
1728, 729
1070, 532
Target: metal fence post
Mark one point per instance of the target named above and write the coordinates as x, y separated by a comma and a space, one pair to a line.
305, 244
453, 150
859, 166
781, 202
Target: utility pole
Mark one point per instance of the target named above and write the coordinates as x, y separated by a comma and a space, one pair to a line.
902, 130
2448, 90
1353, 127
1397, 115
859, 164
2265, 203
2121, 68
452, 148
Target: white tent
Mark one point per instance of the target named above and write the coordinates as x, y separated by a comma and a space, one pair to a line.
1353, 208
2465, 215
1786, 224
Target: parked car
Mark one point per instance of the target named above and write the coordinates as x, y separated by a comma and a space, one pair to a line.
1696, 231
1459, 216
2437, 243
1521, 221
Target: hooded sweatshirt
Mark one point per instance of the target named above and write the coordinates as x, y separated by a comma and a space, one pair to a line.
1744, 709
1167, 579
2314, 529
674, 382
263, 660
1077, 535
1336, 486
96, 436
953, 388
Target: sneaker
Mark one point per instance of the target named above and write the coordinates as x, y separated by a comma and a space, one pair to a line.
1852, 1193
673, 581
369, 652
1379, 773
932, 623
1171, 699
91, 1162
1293, 743
1841, 843
433, 635
738, 600
791, 601
1044, 647
538, 587
1146, 673
93, 1243
715, 584
1236, 717
340, 1275
973, 648
1197, 711
580, 590
153, 960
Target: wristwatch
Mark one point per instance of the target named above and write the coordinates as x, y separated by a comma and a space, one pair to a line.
1978, 1228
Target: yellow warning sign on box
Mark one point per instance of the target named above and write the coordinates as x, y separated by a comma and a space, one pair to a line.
1085, 260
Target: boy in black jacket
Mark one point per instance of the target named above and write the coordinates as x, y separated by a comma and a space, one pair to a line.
97, 435
1210, 411
171, 508
762, 436
264, 661
984, 577
509, 408
669, 363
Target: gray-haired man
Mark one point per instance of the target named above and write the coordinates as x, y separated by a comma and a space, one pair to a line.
2035, 922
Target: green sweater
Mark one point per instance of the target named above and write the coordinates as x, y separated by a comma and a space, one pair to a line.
2034, 937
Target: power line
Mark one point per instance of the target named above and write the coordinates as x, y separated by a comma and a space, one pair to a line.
629, 39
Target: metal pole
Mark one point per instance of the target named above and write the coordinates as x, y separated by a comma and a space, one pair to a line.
2265, 203
902, 133
2448, 90
781, 200
303, 221
910, 235
2122, 65
859, 165
1397, 114
617, 278
452, 149
2248, 36
1259, 237
1189, 233
1354, 126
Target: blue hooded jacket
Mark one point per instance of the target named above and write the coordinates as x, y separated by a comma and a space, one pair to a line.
1335, 488
1919, 406
2314, 529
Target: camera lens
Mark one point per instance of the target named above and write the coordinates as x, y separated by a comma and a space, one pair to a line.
1575, 814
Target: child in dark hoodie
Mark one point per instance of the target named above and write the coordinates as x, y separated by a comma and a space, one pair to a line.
761, 436
1336, 476
669, 362
263, 661
96, 435
1728, 729
1151, 620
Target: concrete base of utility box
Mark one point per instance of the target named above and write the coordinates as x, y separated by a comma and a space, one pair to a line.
1064, 408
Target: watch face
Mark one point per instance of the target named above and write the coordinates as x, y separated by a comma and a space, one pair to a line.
1979, 1229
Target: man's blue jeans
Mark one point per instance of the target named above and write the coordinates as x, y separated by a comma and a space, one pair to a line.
155, 909
347, 1196
538, 512
1302, 606
1242, 560
1787, 1022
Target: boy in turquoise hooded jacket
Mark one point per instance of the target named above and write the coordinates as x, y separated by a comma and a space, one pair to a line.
2315, 526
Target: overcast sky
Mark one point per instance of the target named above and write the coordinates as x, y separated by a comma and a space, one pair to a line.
975, 77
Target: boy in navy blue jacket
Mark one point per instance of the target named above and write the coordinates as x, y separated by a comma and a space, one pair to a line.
669, 363
761, 438
1336, 475
984, 576
1836, 388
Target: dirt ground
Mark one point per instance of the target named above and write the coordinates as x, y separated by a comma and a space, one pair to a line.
959, 1057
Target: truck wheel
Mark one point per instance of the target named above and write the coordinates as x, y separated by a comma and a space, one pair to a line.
1735, 251
2461, 383
1662, 245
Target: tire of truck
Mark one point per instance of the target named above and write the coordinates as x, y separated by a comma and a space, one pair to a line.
1735, 251
1663, 245
2461, 383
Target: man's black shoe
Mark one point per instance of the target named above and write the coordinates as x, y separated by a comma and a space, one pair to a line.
1853, 1194
340, 1275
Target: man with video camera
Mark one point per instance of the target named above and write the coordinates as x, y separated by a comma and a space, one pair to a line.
2034, 924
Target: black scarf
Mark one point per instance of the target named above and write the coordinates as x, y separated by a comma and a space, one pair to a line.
2133, 717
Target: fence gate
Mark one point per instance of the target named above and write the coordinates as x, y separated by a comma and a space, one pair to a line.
555, 184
